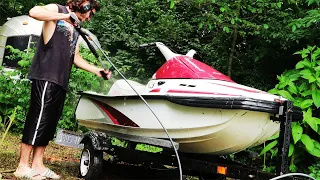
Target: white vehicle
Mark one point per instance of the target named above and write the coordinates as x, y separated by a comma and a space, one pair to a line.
23, 32
202, 109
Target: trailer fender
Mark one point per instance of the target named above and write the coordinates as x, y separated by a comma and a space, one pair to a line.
99, 141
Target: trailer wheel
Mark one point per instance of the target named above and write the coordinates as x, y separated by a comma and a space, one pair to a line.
91, 162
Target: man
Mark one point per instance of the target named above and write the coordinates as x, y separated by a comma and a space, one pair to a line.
57, 50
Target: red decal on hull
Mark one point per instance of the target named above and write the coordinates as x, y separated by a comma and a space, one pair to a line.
155, 90
116, 116
113, 119
200, 92
242, 89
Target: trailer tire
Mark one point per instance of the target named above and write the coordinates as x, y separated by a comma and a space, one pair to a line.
91, 162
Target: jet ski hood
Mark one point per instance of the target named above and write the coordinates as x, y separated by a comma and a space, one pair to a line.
185, 67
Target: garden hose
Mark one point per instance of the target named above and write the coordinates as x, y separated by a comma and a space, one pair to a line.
292, 174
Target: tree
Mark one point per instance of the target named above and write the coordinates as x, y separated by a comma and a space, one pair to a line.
12, 8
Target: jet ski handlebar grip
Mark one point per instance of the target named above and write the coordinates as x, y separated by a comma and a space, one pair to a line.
147, 45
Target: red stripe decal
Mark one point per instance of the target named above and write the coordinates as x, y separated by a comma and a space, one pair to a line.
155, 90
248, 90
116, 116
199, 92
113, 119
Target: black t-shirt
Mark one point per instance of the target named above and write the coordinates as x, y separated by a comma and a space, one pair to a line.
53, 61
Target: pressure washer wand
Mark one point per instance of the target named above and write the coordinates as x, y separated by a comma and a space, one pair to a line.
76, 22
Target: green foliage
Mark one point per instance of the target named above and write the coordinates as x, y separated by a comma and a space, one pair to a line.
148, 148
172, 3
315, 170
269, 147
11, 119
296, 132
12, 8
300, 25
265, 36
264, 39
302, 86
119, 142
16, 91
139, 147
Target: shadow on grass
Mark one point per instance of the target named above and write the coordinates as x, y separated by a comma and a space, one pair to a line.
67, 170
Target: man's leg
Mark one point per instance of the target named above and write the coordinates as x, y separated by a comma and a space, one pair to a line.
52, 101
23, 167
25, 151
37, 162
29, 133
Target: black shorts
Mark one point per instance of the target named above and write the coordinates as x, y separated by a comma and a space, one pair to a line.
46, 105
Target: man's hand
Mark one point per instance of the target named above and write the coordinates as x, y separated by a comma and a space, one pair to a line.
105, 74
75, 21
68, 18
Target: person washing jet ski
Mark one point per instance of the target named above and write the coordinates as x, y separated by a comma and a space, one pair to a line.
57, 50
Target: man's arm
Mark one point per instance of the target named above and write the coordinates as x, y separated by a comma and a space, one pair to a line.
47, 13
83, 64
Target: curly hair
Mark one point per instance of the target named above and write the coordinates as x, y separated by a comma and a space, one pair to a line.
75, 4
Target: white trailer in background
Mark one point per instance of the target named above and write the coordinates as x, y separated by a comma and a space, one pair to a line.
23, 32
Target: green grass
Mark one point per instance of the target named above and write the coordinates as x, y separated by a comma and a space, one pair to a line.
139, 147
62, 160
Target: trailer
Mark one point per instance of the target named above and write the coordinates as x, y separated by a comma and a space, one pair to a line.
125, 148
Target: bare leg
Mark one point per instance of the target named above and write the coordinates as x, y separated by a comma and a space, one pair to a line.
25, 151
37, 163
23, 167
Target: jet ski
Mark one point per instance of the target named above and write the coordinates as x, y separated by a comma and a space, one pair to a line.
202, 109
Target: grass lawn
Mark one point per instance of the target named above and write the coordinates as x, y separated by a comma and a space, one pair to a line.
63, 160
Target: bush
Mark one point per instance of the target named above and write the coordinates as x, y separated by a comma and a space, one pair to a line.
15, 92
302, 86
